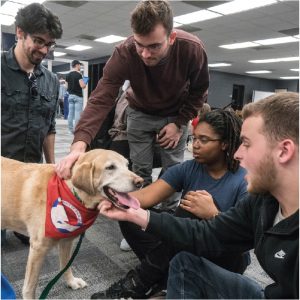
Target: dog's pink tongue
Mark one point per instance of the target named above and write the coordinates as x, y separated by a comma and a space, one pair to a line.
127, 200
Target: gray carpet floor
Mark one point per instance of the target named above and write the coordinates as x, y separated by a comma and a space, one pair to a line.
100, 262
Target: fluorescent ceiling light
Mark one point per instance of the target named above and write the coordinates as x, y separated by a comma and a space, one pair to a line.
110, 39
295, 70
219, 65
240, 5
64, 72
258, 72
281, 40
176, 24
239, 45
272, 60
196, 16
78, 47
9, 10
57, 53
6, 20
289, 77
297, 36
274, 41
27, 2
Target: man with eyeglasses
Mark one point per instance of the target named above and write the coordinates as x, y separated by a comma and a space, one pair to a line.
168, 73
29, 92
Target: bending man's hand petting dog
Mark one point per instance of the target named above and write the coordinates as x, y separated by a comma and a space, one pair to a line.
139, 216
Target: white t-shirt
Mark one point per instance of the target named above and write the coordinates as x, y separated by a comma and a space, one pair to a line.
279, 217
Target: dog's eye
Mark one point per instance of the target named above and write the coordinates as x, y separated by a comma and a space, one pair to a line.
110, 167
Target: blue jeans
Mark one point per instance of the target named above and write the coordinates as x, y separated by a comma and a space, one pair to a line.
193, 277
75, 109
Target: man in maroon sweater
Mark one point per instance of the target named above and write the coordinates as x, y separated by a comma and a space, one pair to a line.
168, 73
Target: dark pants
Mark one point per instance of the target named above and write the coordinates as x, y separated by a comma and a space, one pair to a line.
155, 254
192, 277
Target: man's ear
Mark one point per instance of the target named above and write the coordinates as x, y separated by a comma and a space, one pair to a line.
286, 151
172, 37
19, 33
82, 178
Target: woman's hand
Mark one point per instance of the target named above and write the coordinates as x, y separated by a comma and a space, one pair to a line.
200, 204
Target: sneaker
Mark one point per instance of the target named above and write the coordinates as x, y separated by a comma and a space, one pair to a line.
124, 246
129, 287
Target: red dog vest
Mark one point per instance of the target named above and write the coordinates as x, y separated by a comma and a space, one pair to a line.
66, 216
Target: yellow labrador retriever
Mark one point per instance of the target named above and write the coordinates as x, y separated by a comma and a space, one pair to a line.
24, 186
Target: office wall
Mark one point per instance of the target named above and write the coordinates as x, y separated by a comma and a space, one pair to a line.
221, 83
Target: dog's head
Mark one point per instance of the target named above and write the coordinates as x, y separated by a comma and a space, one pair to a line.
105, 173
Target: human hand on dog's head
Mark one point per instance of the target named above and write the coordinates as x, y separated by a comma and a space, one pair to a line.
64, 167
138, 216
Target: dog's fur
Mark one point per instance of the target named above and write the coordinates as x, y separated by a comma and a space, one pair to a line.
23, 206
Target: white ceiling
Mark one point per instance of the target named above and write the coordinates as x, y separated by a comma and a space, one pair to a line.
94, 19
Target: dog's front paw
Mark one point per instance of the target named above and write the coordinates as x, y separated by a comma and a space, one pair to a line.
76, 283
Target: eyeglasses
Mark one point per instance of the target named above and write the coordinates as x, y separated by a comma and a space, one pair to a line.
202, 139
151, 48
32, 83
40, 43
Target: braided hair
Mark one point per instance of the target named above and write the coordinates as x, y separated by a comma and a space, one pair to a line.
228, 126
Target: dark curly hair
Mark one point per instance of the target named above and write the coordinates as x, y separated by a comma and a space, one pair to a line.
228, 126
36, 18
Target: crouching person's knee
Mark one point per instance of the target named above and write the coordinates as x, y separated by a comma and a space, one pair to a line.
185, 280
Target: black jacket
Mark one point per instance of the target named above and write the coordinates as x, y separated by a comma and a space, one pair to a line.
248, 225
26, 119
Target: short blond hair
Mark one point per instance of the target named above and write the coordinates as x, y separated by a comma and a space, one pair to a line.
280, 113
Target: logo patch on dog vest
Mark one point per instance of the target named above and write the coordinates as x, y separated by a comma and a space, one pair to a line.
65, 215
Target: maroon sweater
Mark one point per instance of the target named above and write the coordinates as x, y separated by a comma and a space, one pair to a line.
174, 87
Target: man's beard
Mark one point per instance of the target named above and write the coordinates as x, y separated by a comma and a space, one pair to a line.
35, 60
33, 55
266, 176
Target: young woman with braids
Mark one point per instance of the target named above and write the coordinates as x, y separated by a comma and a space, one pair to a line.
210, 183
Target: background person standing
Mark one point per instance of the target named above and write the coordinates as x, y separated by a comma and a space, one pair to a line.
61, 96
75, 85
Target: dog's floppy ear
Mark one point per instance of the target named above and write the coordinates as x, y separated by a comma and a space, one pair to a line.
82, 177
